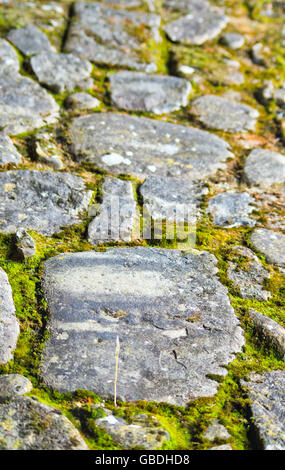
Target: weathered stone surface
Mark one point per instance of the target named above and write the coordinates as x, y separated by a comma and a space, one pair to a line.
30, 40
250, 278
231, 209
81, 100
107, 36
220, 113
8, 152
14, 384
24, 104
172, 198
25, 244
201, 23
158, 94
119, 217
216, 431
264, 168
270, 244
271, 332
172, 316
141, 146
40, 200
266, 393
221, 447
185, 6
233, 40
27, 424
9, 326
144, 431
8, 57
45, 150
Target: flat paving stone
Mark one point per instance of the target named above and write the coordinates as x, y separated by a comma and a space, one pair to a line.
142, 146
220, 113
232, 209
14, 384
30, 40
27, 424
107, 36
264, 168
171, 314
8, 57
9, 326
267, 395
8, 152
270, 244
60, 72
270, 331
158, 94
43, 201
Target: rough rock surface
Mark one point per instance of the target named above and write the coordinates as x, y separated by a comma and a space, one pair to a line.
30, 40
25, 244
264, 168
266, 393
80, 100
9, 326
216, 431
8, 152
233, 40
221, 447
45, 150
40, 200
142, 146
158, 94
26, 424
217, 112
14, 384
231, 209
270, 244
172, 316
119, 218
8, 57
271, 332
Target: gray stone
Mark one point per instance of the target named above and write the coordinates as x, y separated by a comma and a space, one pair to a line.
270, 244
264, 168
9, 326
40, 200
142, 147
104, 35
187, 6
30, 40
221, 447
172, 199
119, 217
25, 244
27, 424
267, 396
14, 384
45, 150
271, 332
79, 101
233, 40
8, 152
24, 104
8, 57
231, 209
250, 278
257, 54
143, 432
60, 72
220, 113
158, 94
216, 431
173, 318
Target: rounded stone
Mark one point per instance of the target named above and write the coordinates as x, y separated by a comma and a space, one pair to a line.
264, 168
233, 40
270, 244
14, 384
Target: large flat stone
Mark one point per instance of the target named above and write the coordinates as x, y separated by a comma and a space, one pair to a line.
9, 326
30, 40
264, 168
270, 244
142, 147
8, 152
171, 314
40, 200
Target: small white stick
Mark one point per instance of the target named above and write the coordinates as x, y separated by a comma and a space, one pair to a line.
116, 370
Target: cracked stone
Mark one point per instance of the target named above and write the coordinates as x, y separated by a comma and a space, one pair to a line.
30, 40
158, 94
231, 209
142, 146
8, 57
264, 168
270, 244
43, 201
216, 431
271, 332
220, 113
14, 384
9, 326
80, 100
172, 315
8, 152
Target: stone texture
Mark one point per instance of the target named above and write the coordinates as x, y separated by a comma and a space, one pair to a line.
8, 57
158, 94
271, 332
30, 40
107, 36
187, 6
45, 150
141, 146
8, 152
231, 209
40, 200
216, 431
60, 72
233, 40
270, 244
221, 447
14, 384
9, 326
119, 217
172, 315
27, 424
264, 168
266, 393
25, 244
249, 278
220, 113
80, 100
